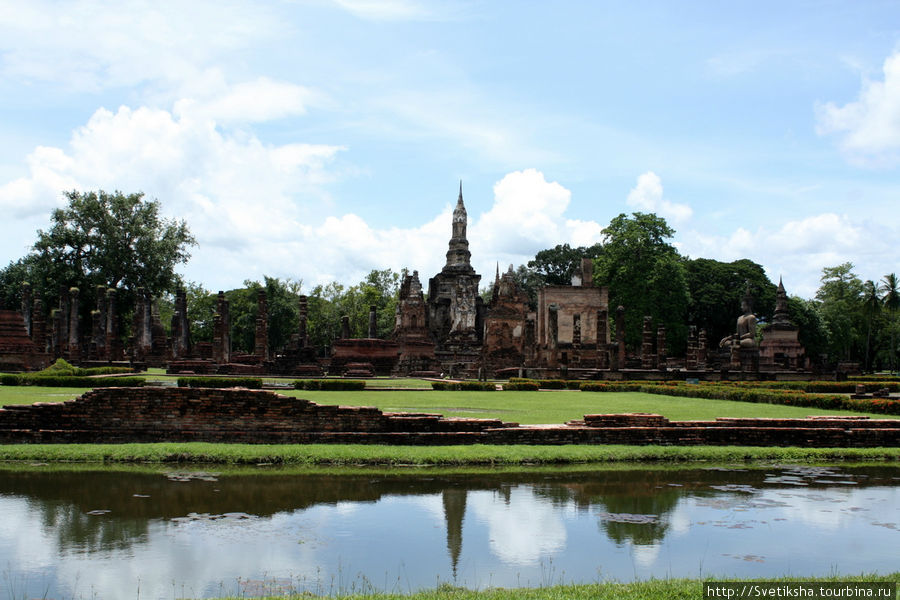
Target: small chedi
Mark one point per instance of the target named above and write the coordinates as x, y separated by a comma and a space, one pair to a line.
567, 331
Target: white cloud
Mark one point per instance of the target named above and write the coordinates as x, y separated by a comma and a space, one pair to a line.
798, 250
869, 127
387, 10
528, 215
92, 45
647, 195
253, 101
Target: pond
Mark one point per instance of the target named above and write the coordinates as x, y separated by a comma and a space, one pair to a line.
139, 533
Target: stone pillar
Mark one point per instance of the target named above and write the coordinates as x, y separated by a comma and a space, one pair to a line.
74, 331
113, 343
27, 306
303, 311
98, 333
373, 322
661, 348
701, 350
158, 342
620, 335
97, 336
602, 339
529, 340
576, 330
553, 326
222, 331
690, 359
261, 341
39, 325
63, 340
181, 332
587, 272
57, 332
648, 359
345, 327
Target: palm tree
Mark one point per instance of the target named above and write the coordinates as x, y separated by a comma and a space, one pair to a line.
890, 289
870, 308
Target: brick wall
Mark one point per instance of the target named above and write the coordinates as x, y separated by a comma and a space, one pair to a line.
121, 415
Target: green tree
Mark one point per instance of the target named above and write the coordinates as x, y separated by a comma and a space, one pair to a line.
103, 239
716, 289
840, 297
281, 304
890, 290
557, 265
813, 334
871, 308
646, 275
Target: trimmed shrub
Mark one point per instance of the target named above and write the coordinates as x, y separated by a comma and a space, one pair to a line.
306, 384
10, 380
521, 386
573, 384
341, 385
254, 383
76, 381
463, 386
552, 384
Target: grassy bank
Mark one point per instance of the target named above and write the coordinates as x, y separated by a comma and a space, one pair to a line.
654, 589
560, 406
346, 454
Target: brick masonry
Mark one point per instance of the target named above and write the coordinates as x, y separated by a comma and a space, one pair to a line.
118, 415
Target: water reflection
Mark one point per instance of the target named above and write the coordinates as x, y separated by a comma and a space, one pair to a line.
111, 533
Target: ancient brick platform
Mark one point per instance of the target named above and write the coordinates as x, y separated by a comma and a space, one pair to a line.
118, 415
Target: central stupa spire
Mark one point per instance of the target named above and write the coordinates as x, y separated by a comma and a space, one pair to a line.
458, 255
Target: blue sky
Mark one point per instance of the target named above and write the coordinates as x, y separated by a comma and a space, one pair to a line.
320, 139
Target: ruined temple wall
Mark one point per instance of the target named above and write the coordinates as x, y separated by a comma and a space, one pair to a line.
572, 300
256, 416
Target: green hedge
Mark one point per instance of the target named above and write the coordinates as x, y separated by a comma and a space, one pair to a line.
37, 379
521, 386
341, 385
254, 383
747, 393
821, 387
61, 367
330, 385
463, 386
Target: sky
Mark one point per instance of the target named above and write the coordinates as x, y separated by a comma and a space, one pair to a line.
317, 140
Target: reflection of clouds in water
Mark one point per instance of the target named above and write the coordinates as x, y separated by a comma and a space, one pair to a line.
645, 555
522, 531
678, 520
197, 558
22, 532
826, 513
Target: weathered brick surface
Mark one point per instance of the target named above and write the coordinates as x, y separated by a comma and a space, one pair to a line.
255, 416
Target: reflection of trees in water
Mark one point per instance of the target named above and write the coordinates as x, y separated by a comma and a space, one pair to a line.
64, 498
77, 531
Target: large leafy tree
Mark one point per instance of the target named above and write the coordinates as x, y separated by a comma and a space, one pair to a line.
890, 289
716, 290
328, 303
104, 239
840, 297
646, 275
557, 265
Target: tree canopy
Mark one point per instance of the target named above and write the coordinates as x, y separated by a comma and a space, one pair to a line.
109, 239
646, 275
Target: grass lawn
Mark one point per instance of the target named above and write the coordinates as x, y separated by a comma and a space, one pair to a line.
557, 407
29, 394
518, 407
